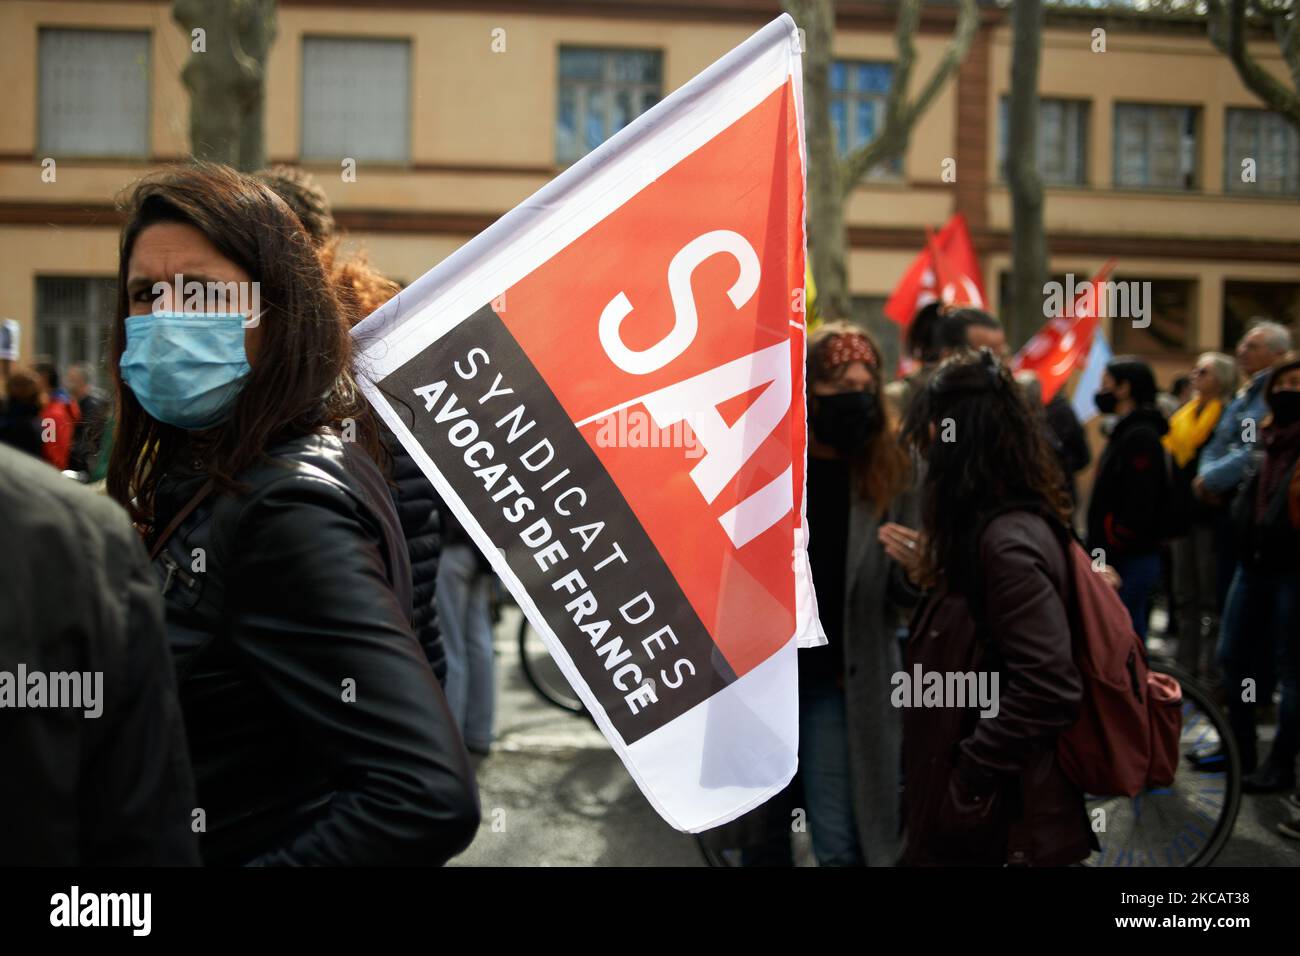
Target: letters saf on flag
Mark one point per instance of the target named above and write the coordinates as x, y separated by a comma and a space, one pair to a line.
662, 277
1059, 346
946, 270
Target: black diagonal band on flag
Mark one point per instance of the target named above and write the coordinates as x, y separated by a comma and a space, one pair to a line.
468, 360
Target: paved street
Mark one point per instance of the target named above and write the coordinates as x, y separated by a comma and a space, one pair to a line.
554, 794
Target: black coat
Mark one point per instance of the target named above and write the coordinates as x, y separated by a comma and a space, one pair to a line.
1129, 509
418, 512
318, 732
77, 594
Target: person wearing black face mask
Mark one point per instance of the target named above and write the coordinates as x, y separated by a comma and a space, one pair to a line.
1131, 488
859, 484
1264, 598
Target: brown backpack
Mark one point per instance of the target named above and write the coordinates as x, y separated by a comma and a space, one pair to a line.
1130, 720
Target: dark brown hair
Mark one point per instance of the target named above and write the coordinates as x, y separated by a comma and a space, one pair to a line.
302, 380
988, 453
881, 468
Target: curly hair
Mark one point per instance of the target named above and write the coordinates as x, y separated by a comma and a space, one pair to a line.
985, 450
305, 197
881, 468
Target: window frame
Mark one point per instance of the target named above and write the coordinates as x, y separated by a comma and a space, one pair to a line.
101, 300
1196, 111
1084, 131
895, 169
306, 158
607, 84
1229, 167
42, 147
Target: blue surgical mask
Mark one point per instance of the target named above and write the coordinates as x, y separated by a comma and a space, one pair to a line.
185, 368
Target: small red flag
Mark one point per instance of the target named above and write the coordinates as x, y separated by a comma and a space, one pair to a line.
1063, 343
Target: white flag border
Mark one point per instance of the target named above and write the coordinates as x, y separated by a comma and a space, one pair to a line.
538, 229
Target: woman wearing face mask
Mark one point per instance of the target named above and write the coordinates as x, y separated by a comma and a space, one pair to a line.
317, 731
1264, 598
1131, 490
859, 503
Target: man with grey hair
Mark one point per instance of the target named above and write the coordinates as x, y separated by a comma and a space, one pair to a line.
1229, 452
1227, 460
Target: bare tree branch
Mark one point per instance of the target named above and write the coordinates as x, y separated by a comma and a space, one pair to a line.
900, 114
1227, 27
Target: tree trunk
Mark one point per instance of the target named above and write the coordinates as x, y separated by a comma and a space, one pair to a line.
226, 78
1028, 235
828, 245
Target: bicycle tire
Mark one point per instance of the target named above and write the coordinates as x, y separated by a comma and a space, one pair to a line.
1191, 844
562, 696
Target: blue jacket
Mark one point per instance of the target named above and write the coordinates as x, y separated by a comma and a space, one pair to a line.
1226, 459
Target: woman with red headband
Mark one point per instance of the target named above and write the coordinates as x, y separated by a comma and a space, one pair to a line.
859, 484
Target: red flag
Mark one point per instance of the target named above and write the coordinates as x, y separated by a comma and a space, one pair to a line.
1061, 345
946, 270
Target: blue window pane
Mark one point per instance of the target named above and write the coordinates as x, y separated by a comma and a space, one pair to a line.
623, 112
594, 134
866, 118
636, 67
874, 77
566, 130
840, 122
648, 100
839, 77
578, 64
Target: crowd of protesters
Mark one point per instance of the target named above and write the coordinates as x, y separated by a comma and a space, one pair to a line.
309, 663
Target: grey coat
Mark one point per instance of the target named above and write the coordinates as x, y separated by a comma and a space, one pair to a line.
877, 605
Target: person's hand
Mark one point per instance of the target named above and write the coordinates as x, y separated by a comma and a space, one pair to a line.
1112, 576
903, 545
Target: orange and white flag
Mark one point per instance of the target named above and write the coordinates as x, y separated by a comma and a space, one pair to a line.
606, 386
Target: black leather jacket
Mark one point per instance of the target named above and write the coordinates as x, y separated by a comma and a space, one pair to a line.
317, 730
418, 511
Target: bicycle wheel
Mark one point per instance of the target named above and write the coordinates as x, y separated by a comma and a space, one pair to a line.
1187, 823
543, 673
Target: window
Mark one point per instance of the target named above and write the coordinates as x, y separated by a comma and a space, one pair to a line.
94, 93
601, 91
1062, 141
72, 319
356, 99
1271, 142
858, 95
1170, 306
1155, 146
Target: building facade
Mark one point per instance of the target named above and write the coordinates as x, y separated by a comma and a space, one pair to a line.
425, 121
